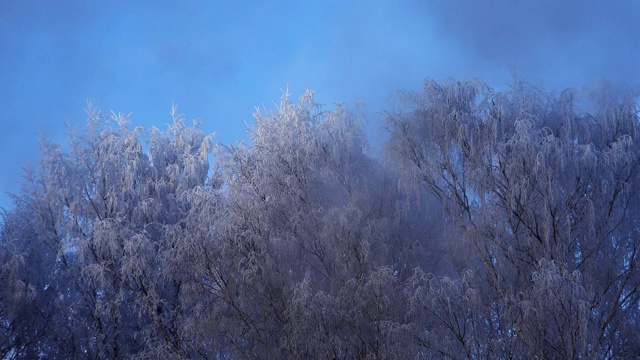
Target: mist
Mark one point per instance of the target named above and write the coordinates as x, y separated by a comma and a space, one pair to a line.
351, 179
219, 61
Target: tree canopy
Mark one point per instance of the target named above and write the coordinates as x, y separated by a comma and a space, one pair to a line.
498, 224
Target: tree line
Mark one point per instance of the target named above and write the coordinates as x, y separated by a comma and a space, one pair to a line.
498, 224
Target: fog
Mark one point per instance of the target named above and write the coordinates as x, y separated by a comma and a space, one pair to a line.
220, 60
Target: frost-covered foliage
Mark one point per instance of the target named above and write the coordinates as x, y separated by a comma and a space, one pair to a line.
89, 240
306, 223
547, 200
500, 225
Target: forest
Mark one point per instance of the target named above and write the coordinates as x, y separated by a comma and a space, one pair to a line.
494, 225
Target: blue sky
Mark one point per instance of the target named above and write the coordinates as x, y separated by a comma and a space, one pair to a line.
218, 60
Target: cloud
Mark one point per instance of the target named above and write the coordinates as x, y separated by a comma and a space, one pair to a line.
563, 43
219, 60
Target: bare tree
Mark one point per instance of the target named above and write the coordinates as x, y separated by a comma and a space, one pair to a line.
543, 196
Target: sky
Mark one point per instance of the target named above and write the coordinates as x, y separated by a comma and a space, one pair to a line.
219, 60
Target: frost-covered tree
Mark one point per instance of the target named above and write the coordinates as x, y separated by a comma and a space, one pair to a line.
298, 245
89, 240
545, 197
309, 224
501, 225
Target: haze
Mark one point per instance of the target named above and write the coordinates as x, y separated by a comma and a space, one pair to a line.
220, 59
